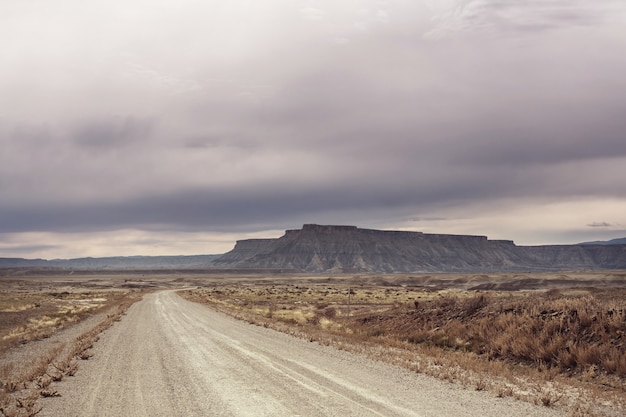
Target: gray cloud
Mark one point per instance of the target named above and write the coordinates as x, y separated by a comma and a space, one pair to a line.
248, 117
373, 193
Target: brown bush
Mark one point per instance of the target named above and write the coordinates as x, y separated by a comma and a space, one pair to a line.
554, 331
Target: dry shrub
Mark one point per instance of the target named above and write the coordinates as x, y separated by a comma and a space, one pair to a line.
49, 393
328, 313
504, 391
472, 305
548, 398
19, 406
569, 334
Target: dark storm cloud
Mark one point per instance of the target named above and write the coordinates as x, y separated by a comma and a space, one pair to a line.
224, 209
214, 210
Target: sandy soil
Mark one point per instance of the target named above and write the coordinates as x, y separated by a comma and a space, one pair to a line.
170, 357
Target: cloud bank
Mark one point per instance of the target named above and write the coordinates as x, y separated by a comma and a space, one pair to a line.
202, 122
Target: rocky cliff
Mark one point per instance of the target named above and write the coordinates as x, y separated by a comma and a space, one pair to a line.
316, 248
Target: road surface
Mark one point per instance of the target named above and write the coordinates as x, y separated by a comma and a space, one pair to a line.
171, 357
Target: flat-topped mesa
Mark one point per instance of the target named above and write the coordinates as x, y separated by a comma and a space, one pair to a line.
337, 228
327, 228
322, 248
320, 229
245, 249
458, 237
253, 243
331, 234
504, 242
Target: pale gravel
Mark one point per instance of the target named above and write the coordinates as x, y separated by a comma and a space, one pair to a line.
172, 357
23, 355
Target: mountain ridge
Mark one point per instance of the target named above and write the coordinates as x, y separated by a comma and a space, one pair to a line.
324, 248
113, 262
618, 241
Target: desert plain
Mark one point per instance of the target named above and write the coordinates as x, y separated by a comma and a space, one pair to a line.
102, 343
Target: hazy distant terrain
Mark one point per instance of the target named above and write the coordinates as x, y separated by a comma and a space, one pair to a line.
619, 241
113, 263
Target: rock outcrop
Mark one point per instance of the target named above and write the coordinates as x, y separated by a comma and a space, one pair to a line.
316, 248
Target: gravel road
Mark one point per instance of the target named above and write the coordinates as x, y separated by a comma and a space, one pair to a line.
172, 357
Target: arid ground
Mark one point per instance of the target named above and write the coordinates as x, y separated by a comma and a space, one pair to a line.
424, 345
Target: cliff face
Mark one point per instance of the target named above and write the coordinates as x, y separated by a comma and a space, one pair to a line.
317, 248
578, 256
245, 249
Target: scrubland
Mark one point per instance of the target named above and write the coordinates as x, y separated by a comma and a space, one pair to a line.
557, 340
42, 339
555, 347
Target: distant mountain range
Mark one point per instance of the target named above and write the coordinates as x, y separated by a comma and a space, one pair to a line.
348, 249
619, 241
114, 262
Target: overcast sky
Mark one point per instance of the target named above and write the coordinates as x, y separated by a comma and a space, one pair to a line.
149, 127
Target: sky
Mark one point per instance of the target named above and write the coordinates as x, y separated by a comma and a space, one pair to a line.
162, 127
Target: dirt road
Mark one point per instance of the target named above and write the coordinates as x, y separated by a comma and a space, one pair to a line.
171, 357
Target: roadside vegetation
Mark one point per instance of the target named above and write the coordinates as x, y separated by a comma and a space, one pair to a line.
27, 318
564, 348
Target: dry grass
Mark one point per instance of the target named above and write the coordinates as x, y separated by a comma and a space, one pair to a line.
22, 383
557, 348
25, 317
559, 333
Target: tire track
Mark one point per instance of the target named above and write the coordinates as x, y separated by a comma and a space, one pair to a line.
169, 356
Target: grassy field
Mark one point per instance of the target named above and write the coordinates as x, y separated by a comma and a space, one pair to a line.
565, 346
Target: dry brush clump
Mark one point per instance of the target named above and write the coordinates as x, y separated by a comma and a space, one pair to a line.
569, 334
19, 406
37, 315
